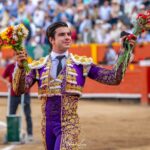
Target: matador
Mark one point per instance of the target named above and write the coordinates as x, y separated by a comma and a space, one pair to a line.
61, 77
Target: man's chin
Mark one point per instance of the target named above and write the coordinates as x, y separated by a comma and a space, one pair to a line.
66, 47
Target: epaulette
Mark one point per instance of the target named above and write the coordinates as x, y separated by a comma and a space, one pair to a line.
83, 60
37, 64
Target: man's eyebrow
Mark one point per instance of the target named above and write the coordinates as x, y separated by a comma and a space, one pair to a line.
69, 32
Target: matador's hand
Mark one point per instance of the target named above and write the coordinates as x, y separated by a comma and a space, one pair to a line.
20, 57
127, 38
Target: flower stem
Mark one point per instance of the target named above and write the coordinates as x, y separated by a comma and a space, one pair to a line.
25, 65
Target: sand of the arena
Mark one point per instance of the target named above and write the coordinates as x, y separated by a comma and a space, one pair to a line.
104, 125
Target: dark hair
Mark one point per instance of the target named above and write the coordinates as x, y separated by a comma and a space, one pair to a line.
50, 32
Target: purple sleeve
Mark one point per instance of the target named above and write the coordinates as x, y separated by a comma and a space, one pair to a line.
30, 79
106, 76
110, 77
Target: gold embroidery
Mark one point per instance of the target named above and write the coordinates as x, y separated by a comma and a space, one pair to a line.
16, 81
70, 123
77, 57
55, 91
71, 78
45, 81
70, 69
73, 87
60, 77
37, 74
71, 81
84, 60
69, 61
37, 62
85, 70
54, 84
43, 122
45, 73
43, 90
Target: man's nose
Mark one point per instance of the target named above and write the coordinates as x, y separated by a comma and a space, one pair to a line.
67, 36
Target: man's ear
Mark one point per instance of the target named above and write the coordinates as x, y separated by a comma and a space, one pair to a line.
50, 39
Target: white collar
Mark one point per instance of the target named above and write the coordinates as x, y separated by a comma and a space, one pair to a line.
54, 54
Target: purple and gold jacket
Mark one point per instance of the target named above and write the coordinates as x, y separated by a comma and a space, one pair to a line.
70, 80
60, 96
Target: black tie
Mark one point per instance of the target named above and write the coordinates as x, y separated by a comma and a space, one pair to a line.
59, 67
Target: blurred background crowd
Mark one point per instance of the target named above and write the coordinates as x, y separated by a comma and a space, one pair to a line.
98, 21
91, 21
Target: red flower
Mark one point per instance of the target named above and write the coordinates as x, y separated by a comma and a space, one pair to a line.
142, 16
142, 19
10, 34
13, 42
5, 42
131, 36
143, 30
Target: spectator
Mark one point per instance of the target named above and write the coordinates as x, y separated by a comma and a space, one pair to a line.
30, 7
38, 17
2, 9
76, 13
15, 100
97, 34
144, 37
13, 8
104, 11
110, 57
86, 35
115, 12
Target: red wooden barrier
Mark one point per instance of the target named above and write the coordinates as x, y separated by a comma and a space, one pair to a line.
141, 51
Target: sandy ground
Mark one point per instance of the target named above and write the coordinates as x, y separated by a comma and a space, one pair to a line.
105, 126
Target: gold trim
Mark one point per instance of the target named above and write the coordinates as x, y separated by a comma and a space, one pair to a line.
18, 73
43, 121
83, 60
70, 123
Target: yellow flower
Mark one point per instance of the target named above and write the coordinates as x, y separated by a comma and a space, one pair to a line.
29, 59
4, 35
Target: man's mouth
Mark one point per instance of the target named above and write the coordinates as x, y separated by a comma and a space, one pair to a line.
67, 43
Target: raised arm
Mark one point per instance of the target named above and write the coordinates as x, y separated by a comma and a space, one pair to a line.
106, 76
21, 80
114, 76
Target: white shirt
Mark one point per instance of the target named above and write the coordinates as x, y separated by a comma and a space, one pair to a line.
55, 62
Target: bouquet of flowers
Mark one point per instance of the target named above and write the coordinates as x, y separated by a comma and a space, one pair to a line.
141, 24
14, 36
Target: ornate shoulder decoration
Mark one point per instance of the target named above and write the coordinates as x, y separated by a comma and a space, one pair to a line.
83, 60
37, 64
